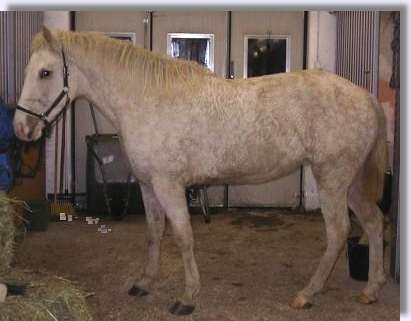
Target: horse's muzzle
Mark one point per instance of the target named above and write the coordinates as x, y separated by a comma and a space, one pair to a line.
27, 128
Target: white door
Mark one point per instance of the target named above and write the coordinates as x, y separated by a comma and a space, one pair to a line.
266, 43
199, 36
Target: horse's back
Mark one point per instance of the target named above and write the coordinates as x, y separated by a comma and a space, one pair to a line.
308, 114
255, 130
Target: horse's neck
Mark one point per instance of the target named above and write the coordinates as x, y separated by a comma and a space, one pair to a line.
103, 91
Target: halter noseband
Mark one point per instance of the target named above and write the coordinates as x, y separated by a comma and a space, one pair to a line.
59, 98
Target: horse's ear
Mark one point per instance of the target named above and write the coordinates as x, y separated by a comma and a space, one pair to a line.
49, 37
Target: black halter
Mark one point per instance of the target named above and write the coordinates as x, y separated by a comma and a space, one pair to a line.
59, 98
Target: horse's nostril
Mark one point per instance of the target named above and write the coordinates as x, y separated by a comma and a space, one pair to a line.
22, 132
19, 130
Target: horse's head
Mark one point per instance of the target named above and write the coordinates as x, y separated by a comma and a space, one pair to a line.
43, 84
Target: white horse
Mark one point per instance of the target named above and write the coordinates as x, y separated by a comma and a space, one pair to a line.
181, 125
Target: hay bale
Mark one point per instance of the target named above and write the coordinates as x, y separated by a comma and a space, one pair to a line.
7, 232
3, 292
47, 298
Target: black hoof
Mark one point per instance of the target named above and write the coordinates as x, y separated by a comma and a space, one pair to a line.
181, 309
138, 292
16, 289
307, 306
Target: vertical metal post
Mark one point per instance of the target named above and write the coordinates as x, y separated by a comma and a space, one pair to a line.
305, 51
229, 75
146, 21
228, 46
73, 128
151, 30
395, 83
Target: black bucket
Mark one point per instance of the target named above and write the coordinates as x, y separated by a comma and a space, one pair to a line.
358, 259
39, 215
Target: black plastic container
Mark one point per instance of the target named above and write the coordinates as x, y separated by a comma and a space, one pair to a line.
116, 178
39, 215
358, 259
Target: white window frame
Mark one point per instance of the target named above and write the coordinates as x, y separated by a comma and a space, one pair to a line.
288, 49
210, 36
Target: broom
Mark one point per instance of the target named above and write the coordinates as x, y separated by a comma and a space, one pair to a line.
62, 202
53, 206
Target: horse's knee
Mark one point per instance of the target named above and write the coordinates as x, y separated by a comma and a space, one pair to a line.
185, 244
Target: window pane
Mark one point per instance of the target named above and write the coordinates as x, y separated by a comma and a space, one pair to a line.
266, 56
197, 49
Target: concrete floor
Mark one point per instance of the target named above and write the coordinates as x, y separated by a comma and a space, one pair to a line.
251, 263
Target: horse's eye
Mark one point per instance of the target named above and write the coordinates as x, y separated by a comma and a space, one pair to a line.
44, 73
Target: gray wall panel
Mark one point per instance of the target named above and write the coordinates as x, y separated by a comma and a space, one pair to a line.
17, 30
357, 47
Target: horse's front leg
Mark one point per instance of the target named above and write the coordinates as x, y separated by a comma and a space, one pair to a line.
173, 200
155, 219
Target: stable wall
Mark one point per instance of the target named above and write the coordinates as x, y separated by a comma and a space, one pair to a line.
322, 35
285, 191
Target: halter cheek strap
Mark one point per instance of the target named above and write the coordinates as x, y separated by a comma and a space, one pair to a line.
64, 93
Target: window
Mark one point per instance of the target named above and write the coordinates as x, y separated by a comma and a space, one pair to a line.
192, 46
127, 36
264, 55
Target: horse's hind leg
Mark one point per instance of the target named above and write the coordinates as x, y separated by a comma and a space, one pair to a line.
371, 219
333, 183
173, 200
155, 219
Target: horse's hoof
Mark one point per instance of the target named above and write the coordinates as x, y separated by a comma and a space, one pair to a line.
181, 309
16, 289
300, 302
365, 299
138, 292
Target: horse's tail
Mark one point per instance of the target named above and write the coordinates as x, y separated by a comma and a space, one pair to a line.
376, 163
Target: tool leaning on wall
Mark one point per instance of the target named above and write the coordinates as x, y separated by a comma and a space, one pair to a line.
6, 140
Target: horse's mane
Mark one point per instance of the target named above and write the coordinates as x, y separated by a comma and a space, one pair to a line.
156, 69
